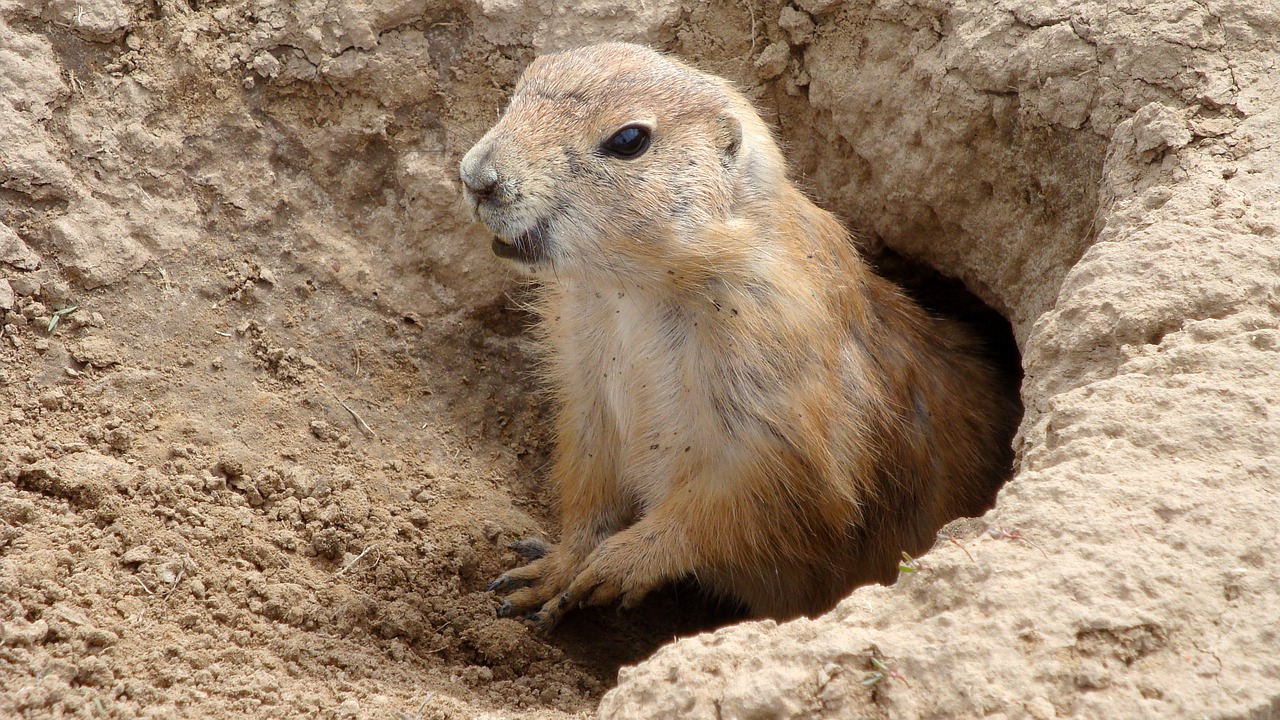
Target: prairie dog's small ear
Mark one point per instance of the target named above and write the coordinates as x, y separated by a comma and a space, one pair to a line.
728, 138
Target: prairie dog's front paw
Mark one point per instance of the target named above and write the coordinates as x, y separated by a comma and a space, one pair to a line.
615, 572
531, 586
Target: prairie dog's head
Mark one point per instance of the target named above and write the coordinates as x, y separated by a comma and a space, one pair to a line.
611, 160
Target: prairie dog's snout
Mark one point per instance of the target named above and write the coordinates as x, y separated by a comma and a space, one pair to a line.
491, 187
480, 180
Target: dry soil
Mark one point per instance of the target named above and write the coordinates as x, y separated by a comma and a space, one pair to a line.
267, 425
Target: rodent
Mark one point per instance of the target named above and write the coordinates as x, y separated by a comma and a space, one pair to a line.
739, 397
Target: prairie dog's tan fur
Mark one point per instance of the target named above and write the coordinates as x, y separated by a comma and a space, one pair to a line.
740, 399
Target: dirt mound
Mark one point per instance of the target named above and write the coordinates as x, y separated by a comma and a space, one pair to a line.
267, 422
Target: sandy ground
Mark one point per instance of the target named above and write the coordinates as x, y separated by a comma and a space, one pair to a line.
267, 464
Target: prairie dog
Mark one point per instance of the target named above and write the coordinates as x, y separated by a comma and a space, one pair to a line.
739, 398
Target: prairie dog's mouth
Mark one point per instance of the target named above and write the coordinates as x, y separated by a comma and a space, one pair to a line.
503, 249
529, 247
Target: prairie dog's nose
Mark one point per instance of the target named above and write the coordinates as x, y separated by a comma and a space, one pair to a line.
479, 174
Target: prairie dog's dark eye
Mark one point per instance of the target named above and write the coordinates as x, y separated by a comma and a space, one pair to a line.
628, 142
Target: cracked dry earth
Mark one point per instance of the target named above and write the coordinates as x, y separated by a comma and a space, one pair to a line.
268, 463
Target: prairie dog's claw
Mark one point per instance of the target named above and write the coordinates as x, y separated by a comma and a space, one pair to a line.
504, 583
531, 548
545, 620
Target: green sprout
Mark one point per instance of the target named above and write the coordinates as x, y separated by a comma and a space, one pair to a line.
909, 564
883, 671
59, 314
